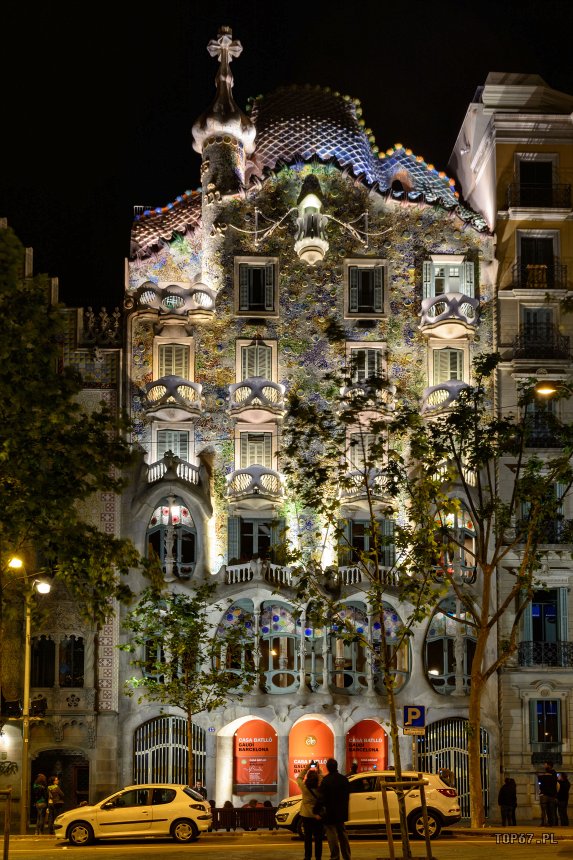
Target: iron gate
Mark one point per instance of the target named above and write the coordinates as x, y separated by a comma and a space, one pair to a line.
160, 751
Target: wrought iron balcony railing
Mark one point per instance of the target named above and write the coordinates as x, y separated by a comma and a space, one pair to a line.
539, 196
541, 341
543, 276
554, 531
545, 654
546, 751
542, 434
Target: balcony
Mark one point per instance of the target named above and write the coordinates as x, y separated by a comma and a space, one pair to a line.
173, 398
545, 654
539, 276
460, 574
258, 570
256, 400
541, 342
358, 483
542, 752
449, 315
355, 575
438, 398
255, 482
172, 467
197, 301
557, 531
532, 196
375, 395
541, 433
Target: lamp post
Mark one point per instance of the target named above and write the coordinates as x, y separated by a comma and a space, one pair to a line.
42, 587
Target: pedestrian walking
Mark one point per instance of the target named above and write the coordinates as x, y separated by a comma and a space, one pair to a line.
309, 781
547, 782
563, 798
334, 795
507, 800
40, 799
55, 802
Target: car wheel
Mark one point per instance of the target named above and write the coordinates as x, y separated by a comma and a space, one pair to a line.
184, 830
416, 825
80, 833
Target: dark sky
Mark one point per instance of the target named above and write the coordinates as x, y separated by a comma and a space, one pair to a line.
98, 109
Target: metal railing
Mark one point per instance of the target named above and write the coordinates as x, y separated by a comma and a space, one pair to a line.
540, 196
541, 341
545, 654
528, 275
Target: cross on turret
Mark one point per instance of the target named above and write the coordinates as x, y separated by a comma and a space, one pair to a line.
225, 49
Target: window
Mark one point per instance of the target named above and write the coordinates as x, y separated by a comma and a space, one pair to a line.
537, 260
256, 450
536, 182
256, 360
279, 648
171, 537
255, 283
366, 363
360, 450
71, 661
545, 721
43, 662
448, 364
545, 630
173, 359
357, 541
365, 288
250, 538
349, 663
236, 632
541, 423
173, 440
448, 275
449, 649
552, 527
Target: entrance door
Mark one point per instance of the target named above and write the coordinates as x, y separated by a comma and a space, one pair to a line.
72, 769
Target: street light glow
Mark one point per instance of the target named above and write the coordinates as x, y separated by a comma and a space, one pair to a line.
15, 563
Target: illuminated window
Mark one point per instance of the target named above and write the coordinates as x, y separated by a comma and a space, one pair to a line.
449, 649
448, 364
173, 360
448, 275
256, 286
171, 537
256, 360
256, 450
365, 288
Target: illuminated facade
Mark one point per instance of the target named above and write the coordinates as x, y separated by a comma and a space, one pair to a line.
229, 289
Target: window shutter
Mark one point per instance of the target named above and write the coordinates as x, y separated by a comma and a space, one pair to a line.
387, 551
378, 289
243, 287
268, 451
233, 532
374, 363
468, 276
562, 614
345, 543
428, 278
244, 452
448, 364
527, 625
533, 729
174, 360
264, 361
269, 287
353, 289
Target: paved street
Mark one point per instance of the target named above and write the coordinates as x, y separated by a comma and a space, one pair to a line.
531, 843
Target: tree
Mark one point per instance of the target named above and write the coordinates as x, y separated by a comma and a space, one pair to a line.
54, 454
336, 456
181, 664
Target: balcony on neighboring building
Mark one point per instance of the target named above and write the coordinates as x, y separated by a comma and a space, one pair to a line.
541, 433
545, 654
255, 482
546, 751
438, 398
539, 276
558, 531
256, 400
449, 315
538, 196
173, 398
541, 342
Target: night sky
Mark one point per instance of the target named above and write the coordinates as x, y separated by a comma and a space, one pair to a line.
98, 108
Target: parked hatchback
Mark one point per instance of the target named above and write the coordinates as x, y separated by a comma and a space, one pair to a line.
366, 810
138, 811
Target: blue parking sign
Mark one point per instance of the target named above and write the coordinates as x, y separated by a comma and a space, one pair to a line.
414, 716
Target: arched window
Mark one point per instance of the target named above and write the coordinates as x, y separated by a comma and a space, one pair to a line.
279, 648
349, 658
43, 666
458, 539
391, 626
313, 649
71, 661
449, 649
236, 633
171, 537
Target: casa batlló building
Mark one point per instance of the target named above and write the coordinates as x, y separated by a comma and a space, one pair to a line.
300, 219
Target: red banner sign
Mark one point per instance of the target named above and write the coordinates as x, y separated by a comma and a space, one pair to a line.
308, 740
256, 750
367, 746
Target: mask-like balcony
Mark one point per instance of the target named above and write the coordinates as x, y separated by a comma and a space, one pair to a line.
438, 398
173, 398
171, 467
449, 315
255, 482
371, 395
256, 400
541, 342
197, 301
358, 484
460, 574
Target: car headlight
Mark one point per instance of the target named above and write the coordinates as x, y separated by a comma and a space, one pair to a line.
283, 804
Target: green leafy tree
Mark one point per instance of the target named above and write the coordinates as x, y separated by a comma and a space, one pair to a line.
55, 456
181, 664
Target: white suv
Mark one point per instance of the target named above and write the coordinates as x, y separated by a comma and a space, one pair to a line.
366, 810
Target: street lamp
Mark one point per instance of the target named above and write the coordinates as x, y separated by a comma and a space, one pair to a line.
42, 586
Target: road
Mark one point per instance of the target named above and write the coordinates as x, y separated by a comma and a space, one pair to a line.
282, 846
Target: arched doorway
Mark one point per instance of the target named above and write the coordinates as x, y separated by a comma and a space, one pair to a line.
73, 769
445, 745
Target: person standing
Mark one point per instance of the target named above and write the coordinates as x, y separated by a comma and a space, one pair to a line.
334, 795
547, 782
55, 802
40, 799
309, 781
200, 788
507, 800
563, 798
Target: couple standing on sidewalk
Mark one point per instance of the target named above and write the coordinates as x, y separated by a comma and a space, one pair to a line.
324, 810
